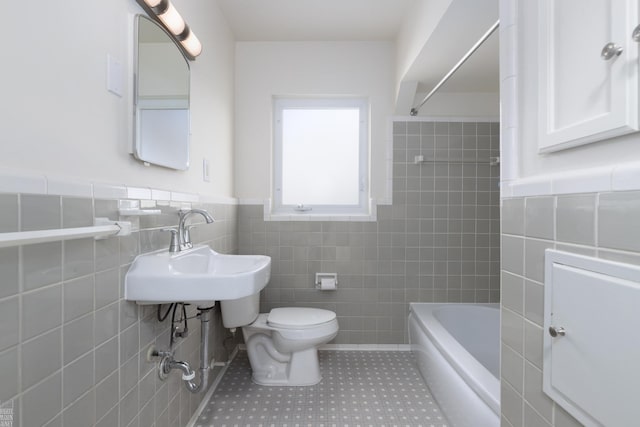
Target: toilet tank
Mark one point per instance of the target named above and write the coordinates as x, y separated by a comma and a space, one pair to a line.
240, 312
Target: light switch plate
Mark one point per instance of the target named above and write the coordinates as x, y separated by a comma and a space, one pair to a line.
114, 76
206, 176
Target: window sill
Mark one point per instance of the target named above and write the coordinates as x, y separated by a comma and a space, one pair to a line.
307, 216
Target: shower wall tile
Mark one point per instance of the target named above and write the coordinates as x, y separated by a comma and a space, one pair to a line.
78, 258
77, 212
576, 219
80, 413
40, 212
41, 357
512, 250
511, 405
41, 311
107, 287
438, 242
42, 403
9, 317
513, 292
533, 344
534, 258
9, 271
68, 340
8, 374
78, 297
512, 330
9, 212
563, 419
533, 391
106, 323
107, 253
106, 360
107, 393
77, 338
601, 225
111, 419
533, 419
615, 230
41, 264
534, 302
539, 221
512, 368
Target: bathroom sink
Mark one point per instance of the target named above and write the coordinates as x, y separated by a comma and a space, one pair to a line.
199, 275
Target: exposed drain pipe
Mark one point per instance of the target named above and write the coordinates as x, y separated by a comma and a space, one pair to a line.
168, 363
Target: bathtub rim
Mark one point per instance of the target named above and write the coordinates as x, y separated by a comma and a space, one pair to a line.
474, 374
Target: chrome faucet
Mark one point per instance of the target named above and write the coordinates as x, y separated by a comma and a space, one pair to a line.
184, 238
180, 237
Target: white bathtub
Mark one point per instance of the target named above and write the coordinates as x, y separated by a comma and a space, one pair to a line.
457, 348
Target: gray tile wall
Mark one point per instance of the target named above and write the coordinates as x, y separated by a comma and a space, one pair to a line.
72, 350
603, 225
437, 242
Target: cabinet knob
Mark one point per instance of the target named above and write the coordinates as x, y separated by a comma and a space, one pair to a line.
610, 50
554, 332
636, 34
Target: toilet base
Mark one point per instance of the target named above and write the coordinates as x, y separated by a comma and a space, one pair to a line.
285, 356
297, 369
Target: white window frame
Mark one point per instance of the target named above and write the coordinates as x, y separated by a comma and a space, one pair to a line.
362, 208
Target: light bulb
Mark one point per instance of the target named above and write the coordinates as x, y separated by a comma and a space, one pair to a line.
172, 20
192, 45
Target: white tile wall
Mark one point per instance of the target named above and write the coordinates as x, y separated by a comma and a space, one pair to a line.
72, 351
612, 218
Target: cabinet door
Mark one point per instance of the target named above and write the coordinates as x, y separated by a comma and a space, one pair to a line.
583, 97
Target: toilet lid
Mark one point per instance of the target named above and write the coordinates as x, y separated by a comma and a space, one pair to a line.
298, 317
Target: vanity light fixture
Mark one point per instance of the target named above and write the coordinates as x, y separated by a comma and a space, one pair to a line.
164, 12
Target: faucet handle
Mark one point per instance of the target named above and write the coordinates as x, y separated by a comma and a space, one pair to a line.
173, 245
187, 233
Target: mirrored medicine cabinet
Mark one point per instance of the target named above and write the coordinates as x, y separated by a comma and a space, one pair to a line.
161, 98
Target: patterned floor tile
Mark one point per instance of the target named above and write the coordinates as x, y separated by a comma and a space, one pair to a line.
358, 389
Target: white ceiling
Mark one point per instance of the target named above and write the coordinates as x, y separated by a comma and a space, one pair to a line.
362, 20
315, 20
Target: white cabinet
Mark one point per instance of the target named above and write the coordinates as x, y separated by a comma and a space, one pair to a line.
592, 342
583, 97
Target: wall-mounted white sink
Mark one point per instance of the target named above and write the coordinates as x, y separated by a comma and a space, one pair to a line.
199, 275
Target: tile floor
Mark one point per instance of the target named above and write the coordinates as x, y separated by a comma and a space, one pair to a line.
359, 388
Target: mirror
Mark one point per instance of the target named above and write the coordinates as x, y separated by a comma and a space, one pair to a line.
162, 122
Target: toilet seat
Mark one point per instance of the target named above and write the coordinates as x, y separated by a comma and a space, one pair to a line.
299, 317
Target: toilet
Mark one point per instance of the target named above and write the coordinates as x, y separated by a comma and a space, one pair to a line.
282, 345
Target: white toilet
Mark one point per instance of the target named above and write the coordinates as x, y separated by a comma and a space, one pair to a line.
282, 345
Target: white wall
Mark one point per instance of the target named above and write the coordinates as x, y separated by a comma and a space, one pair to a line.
530, 163
267, 69
460, 104
415, 32
59, 120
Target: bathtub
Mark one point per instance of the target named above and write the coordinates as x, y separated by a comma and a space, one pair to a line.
457, 349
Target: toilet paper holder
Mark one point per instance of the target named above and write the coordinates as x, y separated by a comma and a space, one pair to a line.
326, 281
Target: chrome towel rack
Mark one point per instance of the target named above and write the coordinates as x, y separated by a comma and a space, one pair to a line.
492, 161
103, 228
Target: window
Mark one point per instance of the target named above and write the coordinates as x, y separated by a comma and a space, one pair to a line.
321, 156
